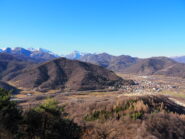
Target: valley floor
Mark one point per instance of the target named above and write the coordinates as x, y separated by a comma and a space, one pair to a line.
172, 87
155, 98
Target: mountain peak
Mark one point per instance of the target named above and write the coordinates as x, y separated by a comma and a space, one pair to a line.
36, 54
75, 55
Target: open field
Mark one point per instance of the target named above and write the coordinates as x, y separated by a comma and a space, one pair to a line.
146, 85
172, 88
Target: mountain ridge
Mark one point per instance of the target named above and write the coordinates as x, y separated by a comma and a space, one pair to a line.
37, 55
65, 74
130, 65
11, 64
123, 63
180, 59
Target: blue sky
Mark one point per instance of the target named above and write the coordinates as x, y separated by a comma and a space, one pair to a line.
140, 28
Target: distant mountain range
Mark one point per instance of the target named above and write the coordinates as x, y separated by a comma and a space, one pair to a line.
59, 73
180, 59
157, 66
42, 55
37, 55
43, 70
132, 65
76, 55
114, 63
124, 64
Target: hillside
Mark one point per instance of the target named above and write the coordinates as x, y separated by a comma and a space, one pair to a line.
8, 87
157, 66
11, 64
68, 75
130, 65
149, 66
114, 63
180, 59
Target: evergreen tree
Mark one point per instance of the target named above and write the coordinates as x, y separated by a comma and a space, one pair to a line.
10, 115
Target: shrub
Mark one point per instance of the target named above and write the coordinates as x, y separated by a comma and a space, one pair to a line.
102, 115
139, 106
136, 115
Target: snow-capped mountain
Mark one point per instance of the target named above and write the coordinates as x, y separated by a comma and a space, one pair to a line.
47, 51
75, 55
41, 54
36, 54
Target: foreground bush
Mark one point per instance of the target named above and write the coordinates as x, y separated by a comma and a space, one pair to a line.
45, 121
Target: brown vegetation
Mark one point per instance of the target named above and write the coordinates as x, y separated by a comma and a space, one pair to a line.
68, 75
11, 64
132, 65
149, 117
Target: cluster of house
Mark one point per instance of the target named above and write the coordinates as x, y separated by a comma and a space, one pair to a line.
148, 86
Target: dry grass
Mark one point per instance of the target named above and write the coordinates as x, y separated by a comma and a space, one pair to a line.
127, 117
107, 116
173, 94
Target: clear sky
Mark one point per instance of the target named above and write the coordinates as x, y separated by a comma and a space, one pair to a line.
140, 28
